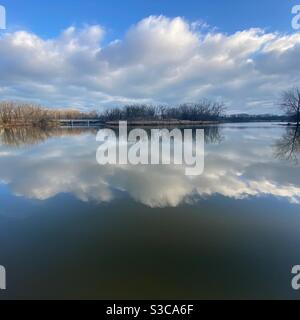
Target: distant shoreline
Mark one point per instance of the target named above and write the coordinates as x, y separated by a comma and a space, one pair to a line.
145, 123
205, 112
162, 122
48, 125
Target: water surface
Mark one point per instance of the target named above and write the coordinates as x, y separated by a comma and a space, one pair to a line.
70, 228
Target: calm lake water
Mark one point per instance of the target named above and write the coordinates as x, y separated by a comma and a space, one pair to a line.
70, 228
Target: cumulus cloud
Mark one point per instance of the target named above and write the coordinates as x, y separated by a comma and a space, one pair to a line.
159, 59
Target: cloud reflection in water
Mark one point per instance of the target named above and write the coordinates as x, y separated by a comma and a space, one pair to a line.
239, 163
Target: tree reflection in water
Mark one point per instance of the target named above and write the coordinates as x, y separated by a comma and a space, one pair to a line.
288, 147
20, 136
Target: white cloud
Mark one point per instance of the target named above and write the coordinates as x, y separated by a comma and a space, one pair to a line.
159, 60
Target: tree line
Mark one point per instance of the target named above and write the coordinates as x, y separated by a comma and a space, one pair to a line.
205, 110
14, 114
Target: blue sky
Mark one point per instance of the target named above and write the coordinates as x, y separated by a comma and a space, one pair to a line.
47, 18
114, 37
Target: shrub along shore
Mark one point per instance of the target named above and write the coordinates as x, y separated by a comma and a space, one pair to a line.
14, 114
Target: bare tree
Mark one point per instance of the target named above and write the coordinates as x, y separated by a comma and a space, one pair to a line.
290, 103
26, 114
